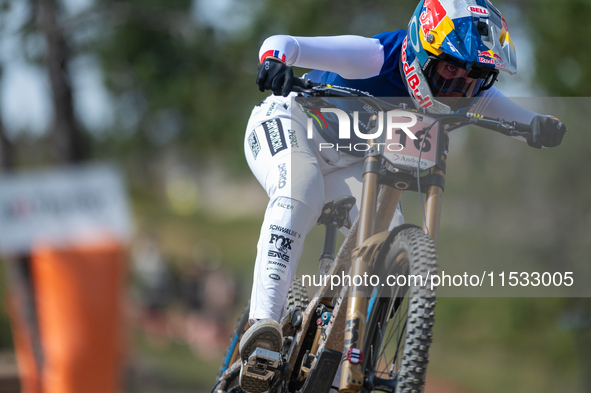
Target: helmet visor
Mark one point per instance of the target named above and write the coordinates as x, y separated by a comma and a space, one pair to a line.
448, 79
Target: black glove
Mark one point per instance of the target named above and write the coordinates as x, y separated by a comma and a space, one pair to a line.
546, 132
276, 76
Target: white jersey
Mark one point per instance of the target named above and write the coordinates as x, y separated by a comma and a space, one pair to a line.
371, 65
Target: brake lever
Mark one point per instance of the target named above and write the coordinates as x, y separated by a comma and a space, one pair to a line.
521, 129
299, 89
526, 135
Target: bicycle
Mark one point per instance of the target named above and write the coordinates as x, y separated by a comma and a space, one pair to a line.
381, 334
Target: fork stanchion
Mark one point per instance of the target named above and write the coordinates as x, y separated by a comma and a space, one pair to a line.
367, 208
433, 207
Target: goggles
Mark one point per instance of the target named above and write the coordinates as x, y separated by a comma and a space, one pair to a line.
450, 79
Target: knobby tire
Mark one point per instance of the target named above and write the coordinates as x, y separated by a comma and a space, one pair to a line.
235, 339
400, 319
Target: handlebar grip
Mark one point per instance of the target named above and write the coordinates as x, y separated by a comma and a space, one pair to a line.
522, 127
300, 82
522, 130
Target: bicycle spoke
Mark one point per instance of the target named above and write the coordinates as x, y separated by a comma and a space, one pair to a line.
386, 335
395, 330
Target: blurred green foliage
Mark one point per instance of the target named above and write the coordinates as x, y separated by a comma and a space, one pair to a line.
561, 63
189, 83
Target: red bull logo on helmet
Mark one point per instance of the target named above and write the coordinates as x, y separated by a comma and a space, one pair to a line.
412, 78
490, 54
490, 57
432, 14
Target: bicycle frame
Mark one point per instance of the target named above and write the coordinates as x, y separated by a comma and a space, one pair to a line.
369, 231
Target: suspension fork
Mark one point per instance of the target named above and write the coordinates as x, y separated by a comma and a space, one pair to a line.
352, 375
433, 207
435, 197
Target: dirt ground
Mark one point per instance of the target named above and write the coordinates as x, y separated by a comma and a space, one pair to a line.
9, 379
438, 385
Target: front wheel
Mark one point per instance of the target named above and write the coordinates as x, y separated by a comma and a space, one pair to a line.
401, 314
232, 352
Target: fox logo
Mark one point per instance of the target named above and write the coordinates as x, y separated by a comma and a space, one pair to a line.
282, 243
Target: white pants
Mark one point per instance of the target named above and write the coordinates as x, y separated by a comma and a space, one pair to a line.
299, 179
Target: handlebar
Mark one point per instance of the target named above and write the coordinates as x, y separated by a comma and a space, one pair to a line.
313, 89
504, 127
306, 86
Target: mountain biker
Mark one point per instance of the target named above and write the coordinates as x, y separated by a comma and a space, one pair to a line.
447, 52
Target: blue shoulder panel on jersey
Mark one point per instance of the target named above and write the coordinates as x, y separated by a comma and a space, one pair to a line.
387, 84
392, 42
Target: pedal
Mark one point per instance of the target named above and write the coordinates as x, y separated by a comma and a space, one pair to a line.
262, 364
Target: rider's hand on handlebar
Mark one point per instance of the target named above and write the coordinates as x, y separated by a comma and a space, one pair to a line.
276, 76
546, 132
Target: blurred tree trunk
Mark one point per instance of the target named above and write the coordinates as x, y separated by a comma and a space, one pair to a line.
6, 158
67, 136
6, 152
